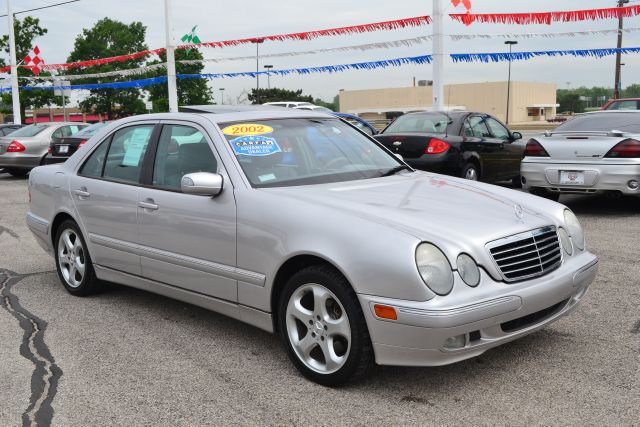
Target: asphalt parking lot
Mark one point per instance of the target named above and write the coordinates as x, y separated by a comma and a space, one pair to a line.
127, 357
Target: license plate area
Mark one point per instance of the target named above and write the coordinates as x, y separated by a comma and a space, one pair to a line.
63, 149
571, 177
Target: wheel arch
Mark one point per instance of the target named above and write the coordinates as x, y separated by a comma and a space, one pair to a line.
57, 221
290, 267
472, 157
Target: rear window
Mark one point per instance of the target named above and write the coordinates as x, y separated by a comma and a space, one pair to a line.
88, 131
624, 105
603, 122
31, 130
423, 123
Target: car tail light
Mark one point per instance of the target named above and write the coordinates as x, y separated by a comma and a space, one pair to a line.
50, 150
15, 147
437, 146
82, 143
535, 149
629, 148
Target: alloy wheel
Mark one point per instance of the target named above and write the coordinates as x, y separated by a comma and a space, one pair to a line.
318, 328
71, 258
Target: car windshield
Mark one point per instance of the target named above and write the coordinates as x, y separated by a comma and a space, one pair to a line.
90, 130
604, 122
31, 130
289, 152
423, 123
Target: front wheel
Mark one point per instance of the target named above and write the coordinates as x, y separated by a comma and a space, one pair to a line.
73, 262
323, 327
18, 173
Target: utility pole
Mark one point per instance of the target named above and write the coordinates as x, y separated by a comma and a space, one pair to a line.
257, 42
221, 96
618, 85
268, 68
438, 56
511, 43
15, 92
171, 59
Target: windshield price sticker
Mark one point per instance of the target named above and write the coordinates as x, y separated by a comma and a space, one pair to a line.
255, 146
247, 129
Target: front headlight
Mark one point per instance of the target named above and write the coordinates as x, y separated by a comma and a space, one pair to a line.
434, 268
575, 230
468, 270
566, 241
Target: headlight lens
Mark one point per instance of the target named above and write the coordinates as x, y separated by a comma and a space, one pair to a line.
566, 241
434, 268
575, 230
468, 270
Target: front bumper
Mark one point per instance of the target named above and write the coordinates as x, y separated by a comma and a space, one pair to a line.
598, 177
511, 311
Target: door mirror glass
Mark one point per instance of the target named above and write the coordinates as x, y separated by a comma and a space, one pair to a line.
516, 136
202, 184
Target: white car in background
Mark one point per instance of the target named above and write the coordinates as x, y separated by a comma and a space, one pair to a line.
289, 104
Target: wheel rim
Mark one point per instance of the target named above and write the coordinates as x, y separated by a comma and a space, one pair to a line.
71, 258
318, 328
471, 174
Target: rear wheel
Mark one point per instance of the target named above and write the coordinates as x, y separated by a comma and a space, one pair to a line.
18, 173
323, 327
471, 172
543, 192
73, 262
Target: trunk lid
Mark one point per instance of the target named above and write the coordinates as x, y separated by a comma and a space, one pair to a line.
408, 145
579, 147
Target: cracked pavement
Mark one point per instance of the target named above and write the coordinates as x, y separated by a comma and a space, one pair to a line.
128, 357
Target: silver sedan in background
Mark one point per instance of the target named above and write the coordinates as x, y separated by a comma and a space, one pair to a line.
592, 153
297, 223
26, 148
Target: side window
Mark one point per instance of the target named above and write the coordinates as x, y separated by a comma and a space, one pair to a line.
58, 133
93, 166
126, 152
476, 127
181, 150
73, 129
498, 131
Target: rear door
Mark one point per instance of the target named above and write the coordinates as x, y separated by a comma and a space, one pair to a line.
105, 194
187, 241
488, 148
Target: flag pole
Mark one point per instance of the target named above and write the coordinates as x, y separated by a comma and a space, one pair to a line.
438, 56
15, 93
171, 59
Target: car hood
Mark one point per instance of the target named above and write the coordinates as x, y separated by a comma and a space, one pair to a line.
433, 207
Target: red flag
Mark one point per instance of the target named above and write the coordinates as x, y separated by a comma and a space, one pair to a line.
34, 61
465, 3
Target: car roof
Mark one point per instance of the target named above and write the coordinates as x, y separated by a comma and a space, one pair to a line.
609, 112
624, 99
225, 109
235, 116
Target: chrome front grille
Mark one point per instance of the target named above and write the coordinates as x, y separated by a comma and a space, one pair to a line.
527, 255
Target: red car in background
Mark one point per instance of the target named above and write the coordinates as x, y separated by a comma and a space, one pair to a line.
622, 104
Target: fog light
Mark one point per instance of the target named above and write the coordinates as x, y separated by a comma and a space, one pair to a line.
459, 341
633, 184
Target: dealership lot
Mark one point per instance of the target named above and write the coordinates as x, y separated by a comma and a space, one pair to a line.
131, 357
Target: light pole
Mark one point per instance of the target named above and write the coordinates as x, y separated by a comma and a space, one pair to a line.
268, 67
257, 42
15, 94
617, 87
511, 43
171, 60
221, 95
438, 56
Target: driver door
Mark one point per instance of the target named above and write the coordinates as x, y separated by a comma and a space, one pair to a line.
509, 156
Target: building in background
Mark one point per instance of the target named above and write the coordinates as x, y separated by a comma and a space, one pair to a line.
56, 114
530, 102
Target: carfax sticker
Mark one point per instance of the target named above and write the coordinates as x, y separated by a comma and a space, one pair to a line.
255, 146
247, 129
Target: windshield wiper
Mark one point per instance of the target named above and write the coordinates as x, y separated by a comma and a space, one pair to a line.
396, 170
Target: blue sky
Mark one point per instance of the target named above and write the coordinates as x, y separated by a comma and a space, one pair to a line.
222, 19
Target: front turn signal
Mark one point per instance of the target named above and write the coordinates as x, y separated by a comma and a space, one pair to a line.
385, 312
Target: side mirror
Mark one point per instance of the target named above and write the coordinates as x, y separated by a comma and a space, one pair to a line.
202, 184
399, 156
516, 136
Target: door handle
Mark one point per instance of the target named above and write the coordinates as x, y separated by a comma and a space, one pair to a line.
82, 193
148, 205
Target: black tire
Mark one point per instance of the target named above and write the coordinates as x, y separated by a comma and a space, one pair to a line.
18, 173
516, 182
544, 193
360, 358
471, 171
89, 284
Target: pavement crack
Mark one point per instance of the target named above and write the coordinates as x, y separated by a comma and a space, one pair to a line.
46, 374
9, 231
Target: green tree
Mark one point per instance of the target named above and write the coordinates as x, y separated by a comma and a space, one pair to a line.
110, 38
570, 101
333, 106
190, 91
632, 91
276, 94
26, 31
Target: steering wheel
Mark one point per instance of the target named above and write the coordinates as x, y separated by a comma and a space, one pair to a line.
333, 163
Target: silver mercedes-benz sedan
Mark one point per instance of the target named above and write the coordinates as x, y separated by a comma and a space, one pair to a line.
298, 223
26, 148
592, 153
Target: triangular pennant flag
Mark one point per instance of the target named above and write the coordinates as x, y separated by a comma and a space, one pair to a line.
33, 61
190, 38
